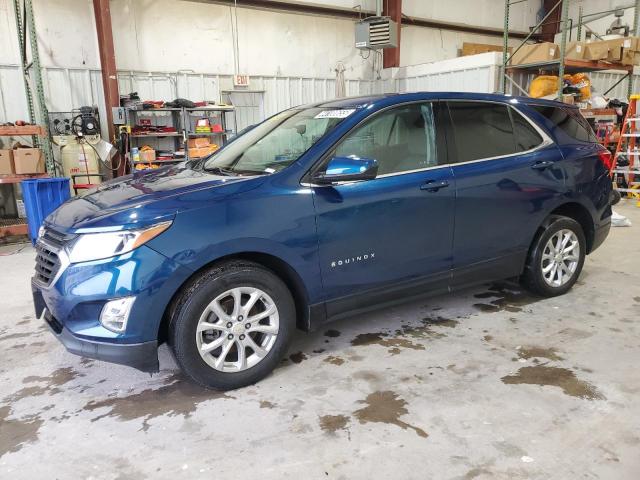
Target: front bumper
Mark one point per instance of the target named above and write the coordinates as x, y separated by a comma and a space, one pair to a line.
142, 356
72, 304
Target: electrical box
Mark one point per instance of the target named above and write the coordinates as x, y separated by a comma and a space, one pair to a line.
119, 116
376, 32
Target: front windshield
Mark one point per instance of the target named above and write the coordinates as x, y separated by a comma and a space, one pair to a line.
277, 142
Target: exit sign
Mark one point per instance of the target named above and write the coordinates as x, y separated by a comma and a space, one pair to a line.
241, 80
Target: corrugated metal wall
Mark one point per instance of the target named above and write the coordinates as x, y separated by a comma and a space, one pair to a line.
71, 88
67, 88
600, 81
479, 79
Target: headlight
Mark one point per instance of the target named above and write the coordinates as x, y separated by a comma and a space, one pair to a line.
95, 246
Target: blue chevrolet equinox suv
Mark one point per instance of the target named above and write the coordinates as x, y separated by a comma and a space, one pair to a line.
317, 213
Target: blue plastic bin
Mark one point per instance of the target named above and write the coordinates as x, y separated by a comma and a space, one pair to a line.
41, 197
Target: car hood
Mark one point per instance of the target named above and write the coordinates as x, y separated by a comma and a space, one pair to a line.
138, 199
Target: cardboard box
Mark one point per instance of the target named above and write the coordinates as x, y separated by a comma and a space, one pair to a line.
596, 50
202, 151
6, 162
625, 51
537, 52
469, 48
198, 142
147, 155
28, 160
575, 51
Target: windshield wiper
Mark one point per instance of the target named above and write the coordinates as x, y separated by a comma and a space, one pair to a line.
220, 171
250, 172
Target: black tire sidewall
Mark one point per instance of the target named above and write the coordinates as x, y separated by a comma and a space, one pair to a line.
536, 279
199, 295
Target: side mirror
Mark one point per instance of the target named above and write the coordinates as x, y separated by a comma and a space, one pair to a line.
347, 169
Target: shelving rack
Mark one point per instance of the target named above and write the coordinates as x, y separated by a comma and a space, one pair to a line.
183, 120
12, 228
175, 139
562, 65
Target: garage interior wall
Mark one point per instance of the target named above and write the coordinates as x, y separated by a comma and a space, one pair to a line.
170, 48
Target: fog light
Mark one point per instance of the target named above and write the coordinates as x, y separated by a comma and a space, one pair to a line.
115, 314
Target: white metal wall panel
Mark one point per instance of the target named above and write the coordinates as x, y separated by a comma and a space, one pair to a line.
13, 103
600, 81
480, 79
603, 81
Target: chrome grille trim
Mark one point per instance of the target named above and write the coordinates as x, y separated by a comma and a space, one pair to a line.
51, 257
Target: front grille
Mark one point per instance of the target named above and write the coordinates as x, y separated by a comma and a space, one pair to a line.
48, 249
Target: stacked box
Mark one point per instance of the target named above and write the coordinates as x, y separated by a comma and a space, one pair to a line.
538, 52
6, 162
28, 160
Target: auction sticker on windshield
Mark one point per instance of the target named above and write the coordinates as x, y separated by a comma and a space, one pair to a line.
335, 113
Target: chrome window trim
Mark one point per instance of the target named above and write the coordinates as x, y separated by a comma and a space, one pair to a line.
546, 141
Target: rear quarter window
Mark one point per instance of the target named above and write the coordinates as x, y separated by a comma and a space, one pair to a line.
569, 120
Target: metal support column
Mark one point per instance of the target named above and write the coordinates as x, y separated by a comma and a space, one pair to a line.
505, 46
564, 24
32, 74
108, 70
579, 29
391, 56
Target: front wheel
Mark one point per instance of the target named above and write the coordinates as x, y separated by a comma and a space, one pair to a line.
232, 325
556, 258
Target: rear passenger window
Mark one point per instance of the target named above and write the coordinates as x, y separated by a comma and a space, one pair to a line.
527, 137
569, 120
482, 130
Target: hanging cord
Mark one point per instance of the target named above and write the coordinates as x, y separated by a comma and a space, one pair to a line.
233, 17
104, 163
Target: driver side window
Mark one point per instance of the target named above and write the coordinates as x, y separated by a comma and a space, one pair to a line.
400, 139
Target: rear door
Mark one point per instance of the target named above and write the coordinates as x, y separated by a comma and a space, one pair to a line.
506, 174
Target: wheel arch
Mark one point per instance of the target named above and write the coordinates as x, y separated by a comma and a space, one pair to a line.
573, 210
278, 266
580, 214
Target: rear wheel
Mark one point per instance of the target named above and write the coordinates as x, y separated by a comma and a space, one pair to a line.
556, 257
232, 325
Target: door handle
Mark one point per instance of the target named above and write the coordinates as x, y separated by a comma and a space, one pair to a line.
542, 165
433, 185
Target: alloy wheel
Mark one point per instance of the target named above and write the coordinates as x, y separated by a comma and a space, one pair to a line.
237, 329
560, 258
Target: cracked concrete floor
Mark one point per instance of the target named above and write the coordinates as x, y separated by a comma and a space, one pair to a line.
489, 383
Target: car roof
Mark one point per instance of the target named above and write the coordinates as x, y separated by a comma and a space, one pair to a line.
392, 98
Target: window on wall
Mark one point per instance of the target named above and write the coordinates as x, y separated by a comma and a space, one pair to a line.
482, 130
400, 139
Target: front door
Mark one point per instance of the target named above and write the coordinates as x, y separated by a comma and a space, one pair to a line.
391, 236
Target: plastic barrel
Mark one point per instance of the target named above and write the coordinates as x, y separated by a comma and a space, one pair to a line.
41, 197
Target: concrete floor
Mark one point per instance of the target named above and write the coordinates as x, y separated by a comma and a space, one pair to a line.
488, 384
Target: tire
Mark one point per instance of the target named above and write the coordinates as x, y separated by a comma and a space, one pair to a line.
539, 275
209, 300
